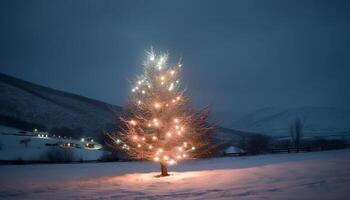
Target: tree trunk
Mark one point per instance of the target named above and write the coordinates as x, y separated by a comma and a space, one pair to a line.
163, 169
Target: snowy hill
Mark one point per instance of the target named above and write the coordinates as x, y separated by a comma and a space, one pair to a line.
26, 105
32, 148
318, 121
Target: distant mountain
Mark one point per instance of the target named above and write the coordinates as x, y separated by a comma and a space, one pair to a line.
318, 121
26, 105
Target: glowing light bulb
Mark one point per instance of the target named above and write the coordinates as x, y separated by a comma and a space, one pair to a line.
178, 98
149, 125
180, 149
177, 127
160, 150
176, 120
118, 141
193, 148
166, 157
139, 102
139, 82
172, 72
150, 147
168, 134
162, 78
154, 138
143, 138
185, 144
171, 162
171, 87
178, 157
133, 122
134, 137
143, 92
139, 145
156, 159
151, 57
157, 105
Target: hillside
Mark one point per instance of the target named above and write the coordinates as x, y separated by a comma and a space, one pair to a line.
318, 121
26, 106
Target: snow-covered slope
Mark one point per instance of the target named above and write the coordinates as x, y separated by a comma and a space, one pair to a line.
26, 105
318, 121
11, 149
318, 175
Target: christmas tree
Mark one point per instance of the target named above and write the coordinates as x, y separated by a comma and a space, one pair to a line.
158, 122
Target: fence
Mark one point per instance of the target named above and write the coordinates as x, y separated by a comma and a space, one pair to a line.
309, 149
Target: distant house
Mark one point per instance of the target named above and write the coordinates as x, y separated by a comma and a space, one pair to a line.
233, 151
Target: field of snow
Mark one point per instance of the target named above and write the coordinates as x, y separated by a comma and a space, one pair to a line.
319, 175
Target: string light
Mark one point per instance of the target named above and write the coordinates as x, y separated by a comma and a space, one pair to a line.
157, 105
168, 134
171, 87
156, 97
133, 122
171, 162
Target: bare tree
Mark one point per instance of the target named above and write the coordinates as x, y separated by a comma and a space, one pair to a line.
296, 132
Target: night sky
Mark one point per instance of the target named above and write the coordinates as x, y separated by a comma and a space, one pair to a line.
237, 55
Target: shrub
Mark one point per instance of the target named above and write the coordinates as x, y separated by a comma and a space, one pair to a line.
58, 155
109, 157
255, 144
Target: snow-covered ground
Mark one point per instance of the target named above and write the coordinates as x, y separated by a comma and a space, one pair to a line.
319, 175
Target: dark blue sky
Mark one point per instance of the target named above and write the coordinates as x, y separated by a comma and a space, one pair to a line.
237, 55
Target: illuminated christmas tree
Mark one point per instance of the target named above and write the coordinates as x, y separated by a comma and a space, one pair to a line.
158, 123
